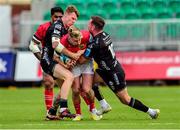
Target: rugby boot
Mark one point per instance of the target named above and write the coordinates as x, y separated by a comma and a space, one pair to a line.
95, 117
156, 113
78, 117
51, 114
104, 109
66, 113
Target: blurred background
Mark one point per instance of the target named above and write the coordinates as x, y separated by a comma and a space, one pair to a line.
145, 35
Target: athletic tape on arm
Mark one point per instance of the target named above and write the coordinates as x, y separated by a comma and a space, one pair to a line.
34, 47
59, 47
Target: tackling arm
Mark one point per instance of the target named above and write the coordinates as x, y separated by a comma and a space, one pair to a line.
33, 46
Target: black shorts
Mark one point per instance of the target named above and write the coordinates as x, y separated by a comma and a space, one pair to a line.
115, 78
48, 66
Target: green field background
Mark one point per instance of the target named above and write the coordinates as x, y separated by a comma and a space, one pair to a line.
23, 108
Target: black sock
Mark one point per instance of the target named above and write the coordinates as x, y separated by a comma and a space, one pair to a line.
134, 103
97, 93
63, 103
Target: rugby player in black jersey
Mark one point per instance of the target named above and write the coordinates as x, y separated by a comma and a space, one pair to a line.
110, 71
51, 67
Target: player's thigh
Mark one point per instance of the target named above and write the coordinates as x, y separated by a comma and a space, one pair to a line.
62, 73
87, 80
97, 78
76, 85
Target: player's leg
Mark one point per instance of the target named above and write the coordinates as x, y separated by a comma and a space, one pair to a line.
87, 80
135, 103
116, 82
62, 73
76, 98
53, 110
76, 92
105, 107
48, 83
118, 78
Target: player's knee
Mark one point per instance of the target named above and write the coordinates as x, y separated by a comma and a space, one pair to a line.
69, 77
86, 90
125, 100
75, 93
48, 85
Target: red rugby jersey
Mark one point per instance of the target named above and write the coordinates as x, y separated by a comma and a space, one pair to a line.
83, 45
40, 34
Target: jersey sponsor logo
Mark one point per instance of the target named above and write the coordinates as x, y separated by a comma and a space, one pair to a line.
115, 77
56, 31
104, 65
111, 85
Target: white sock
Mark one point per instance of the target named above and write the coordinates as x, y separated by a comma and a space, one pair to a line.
103, 103
94, 110
151, 111
62, 109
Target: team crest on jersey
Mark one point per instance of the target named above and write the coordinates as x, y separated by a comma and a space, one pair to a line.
81, 46
56, 31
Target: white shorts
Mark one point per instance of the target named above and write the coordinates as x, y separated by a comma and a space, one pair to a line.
86, 68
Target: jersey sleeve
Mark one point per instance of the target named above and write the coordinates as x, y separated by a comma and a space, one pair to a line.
57, 29
63, 40
90, 50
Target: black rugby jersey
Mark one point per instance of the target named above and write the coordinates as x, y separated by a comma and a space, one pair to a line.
55, 30
101, 49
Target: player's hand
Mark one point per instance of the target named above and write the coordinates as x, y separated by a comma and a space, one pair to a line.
81, 51
76, 56
70, 64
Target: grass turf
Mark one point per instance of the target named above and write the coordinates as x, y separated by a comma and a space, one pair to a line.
23, 108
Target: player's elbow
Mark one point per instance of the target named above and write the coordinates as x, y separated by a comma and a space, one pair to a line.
33, 47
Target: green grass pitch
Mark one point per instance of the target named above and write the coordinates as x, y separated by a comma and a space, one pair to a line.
23, 108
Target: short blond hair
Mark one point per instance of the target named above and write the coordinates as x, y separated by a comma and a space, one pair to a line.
71, 9
74, 32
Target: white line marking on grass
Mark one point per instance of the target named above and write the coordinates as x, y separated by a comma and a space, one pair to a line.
89, 124
88, 129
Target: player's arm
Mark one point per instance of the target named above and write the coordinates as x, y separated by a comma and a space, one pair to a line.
64, 60
61, 49
86, 56
34, 47
57, 59
58, 46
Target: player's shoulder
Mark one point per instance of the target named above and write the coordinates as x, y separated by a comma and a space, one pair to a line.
105, 38
46, 24
85, 34
64, 39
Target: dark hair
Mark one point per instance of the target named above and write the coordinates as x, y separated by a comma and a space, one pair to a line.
56, 9
71, 9
98, 22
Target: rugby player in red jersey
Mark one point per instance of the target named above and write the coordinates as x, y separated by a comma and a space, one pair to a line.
74, 41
